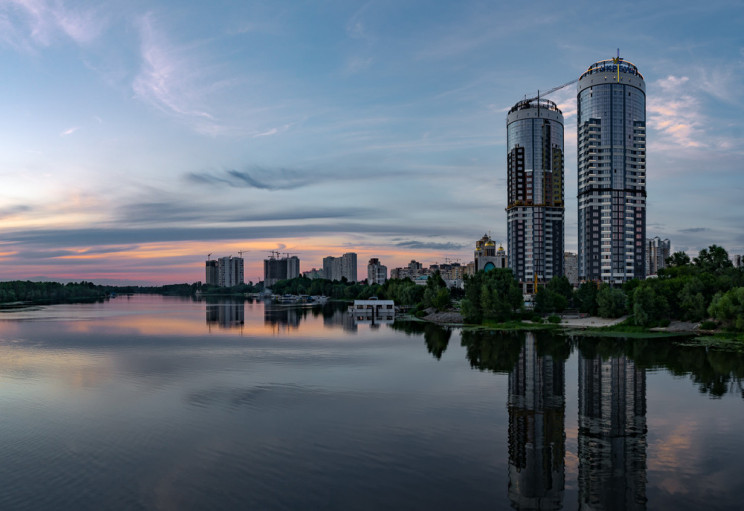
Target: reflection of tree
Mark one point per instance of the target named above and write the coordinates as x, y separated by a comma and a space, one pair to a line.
493, 351
437, 339
715, 372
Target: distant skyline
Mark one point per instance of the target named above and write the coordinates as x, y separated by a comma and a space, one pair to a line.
138, 137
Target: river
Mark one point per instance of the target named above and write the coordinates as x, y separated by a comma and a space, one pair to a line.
150, 402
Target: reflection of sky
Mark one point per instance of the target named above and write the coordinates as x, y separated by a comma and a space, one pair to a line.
183, 417
141, 137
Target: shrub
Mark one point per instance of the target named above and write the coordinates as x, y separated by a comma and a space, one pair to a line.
708, 325
553, 318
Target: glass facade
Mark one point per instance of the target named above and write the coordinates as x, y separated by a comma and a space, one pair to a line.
535, 211
611, 124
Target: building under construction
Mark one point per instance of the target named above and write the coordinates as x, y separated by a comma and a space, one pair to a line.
224, 272
278, 268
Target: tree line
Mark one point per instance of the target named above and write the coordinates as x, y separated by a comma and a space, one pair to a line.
708, 286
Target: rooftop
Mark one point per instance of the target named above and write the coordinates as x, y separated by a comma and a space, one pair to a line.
610, 66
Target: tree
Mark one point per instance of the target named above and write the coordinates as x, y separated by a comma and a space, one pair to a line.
492, 295
714, 260
729, 308
678, 259
610, 302
586, 298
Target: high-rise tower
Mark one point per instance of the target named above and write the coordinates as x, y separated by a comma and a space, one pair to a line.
611, 122
534, 138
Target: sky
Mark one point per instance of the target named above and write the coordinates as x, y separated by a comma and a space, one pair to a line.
137, 137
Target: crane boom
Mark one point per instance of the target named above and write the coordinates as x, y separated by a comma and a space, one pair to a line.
554, 89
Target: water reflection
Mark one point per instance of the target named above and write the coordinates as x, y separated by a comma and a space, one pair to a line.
226, 314
537, 441
493, 351
612, 432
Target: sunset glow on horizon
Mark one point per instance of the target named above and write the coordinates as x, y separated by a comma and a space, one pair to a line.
139, 137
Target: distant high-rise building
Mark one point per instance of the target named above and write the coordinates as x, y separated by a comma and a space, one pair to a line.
335, 268
487, 257
657, 252
611, 123
229, 271
535, 209
212, 276
280, 268
571, 268
376, 272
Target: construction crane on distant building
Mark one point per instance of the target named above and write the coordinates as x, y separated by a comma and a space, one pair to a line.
554, 89
208, 256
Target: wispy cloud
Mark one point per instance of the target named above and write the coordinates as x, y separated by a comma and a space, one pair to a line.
429, 245
69, 131
262, 179
173, 80
675, 114
38, 23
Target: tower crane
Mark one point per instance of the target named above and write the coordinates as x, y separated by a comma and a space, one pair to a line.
554, 89
209, 255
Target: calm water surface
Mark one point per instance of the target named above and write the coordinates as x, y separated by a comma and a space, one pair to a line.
163, 403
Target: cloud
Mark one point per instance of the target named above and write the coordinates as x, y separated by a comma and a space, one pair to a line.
429, 245
13, 211
181, 211
174, 80
695, 229
69, 131
26, 24
675, 114
281, 179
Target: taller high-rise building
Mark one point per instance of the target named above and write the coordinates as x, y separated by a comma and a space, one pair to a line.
229, 271
280, 268
611, 124
335, 268
535, 209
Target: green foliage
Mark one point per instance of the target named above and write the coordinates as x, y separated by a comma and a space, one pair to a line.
610, 302
49, 292
708, 325
586, 298
491, 295
685, 290
678, 259
553, 318
436, 293
729, 308
714, 260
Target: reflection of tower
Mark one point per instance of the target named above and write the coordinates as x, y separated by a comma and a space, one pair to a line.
340, 318
536, 430
612, 434
282, 318
226, 314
